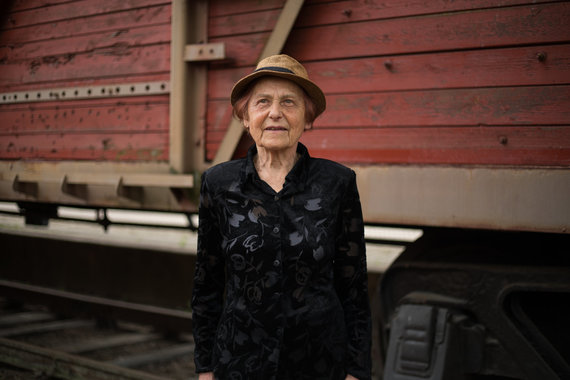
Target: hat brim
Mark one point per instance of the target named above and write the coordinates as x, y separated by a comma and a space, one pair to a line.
310, 88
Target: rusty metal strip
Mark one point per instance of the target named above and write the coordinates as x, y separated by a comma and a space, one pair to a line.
86, 92
64, 366
205, 52
274, 45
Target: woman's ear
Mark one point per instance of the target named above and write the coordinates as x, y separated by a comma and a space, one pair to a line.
308, 126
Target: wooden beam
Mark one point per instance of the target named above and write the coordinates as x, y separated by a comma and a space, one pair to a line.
178, 78
189, 87
274, 45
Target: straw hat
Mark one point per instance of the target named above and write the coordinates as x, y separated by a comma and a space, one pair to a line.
282, 66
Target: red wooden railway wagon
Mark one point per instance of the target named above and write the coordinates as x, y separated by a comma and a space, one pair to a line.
455, 115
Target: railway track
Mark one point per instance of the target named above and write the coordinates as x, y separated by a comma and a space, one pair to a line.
104, 339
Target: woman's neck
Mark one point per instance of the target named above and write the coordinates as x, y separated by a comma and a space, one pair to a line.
273, 166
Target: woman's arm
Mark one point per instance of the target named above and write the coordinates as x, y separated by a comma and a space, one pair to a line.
209, 282
351, 283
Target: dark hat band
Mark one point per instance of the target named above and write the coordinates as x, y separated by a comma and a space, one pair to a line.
275, 68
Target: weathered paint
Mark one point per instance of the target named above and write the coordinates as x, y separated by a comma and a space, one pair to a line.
54, 45
433, 82
476, 29
506, 67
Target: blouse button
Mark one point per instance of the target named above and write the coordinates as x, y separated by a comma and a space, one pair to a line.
276, 263
276, 197
276, 229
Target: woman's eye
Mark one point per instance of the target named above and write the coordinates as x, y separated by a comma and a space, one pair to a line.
288, 102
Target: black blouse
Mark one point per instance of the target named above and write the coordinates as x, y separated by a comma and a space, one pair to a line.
280, 290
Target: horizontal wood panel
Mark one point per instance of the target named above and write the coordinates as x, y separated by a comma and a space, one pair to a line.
116, 61
21, 5
484, 106
113, 24
262, 17
477, 146
93, 116
92, 44
477, 68
70, 10
222, 8
86, 146
361, 10
442, 145
450, 31
546, 23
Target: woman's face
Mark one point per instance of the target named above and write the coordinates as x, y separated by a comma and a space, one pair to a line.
276, 114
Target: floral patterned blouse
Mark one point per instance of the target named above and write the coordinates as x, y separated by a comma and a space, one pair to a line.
280, 289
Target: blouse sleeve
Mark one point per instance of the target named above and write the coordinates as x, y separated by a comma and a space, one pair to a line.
209, 280
351, 283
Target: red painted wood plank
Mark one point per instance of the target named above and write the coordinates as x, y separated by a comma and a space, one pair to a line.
484, 106
243, 50
243, 23
87, 146
88, 43
94, 117
477, 146
22, 5
86, 82
221, 8
360, 10
477, 68
117, 62
546, 23
263, 18
492, 145
469, 107
540, 24
78, 9
118, 23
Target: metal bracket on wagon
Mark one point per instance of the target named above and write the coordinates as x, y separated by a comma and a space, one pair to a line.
435, 343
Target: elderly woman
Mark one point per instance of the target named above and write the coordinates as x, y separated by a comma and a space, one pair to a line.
280, 290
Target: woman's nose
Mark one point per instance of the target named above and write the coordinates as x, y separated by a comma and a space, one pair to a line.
275, 110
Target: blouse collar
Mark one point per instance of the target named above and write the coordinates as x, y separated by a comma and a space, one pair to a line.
294, 181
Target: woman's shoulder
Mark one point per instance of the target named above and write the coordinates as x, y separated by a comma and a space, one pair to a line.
226, 172
324, 165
